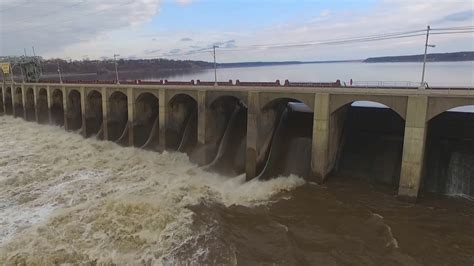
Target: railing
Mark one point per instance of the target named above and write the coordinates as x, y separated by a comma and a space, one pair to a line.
391, 84
287, 83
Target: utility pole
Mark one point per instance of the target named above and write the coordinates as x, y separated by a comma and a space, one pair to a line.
116, 70
215, 64
59, 73
423, 85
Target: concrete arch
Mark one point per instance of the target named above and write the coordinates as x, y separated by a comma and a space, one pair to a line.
146, 118
181, 126
285, 133
214, 96
397, 104
42, 106
57, 108
227, 127
94, 113
18, 104
449, 150
74, 112
117, 117
267, 99
30, 105
367, 143
437, 106
8, 101
170, 95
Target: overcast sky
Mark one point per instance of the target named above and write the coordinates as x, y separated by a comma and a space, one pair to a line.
78, 29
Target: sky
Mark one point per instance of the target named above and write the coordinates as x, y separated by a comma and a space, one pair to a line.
243, 29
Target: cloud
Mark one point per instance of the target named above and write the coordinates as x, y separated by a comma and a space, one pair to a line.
51, 25
460, 16
154, 51
84, 27
184, 2
225, 44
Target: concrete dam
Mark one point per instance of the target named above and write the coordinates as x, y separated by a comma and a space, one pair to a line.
263, 130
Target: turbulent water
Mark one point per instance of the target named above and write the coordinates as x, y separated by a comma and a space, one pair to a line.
66, 199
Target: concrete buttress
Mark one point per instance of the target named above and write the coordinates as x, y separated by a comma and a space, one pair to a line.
413, 147
163, 115
252, 135
105, 110
131, 115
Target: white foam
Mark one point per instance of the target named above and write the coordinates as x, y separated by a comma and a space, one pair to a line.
98, 201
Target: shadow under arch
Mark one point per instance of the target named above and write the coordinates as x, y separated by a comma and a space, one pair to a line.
366, 142
30, 105
8, 101
284, 139
42, 106
146, 121
449, 153
181, 126
57, 108
117, 117
74, 112
18, 104
94, 113
226, 143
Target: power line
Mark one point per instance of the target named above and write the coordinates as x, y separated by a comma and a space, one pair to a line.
453, 32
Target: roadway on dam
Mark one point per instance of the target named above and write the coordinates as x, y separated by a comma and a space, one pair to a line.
67, 199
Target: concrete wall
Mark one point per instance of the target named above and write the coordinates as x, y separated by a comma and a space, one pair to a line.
116, 120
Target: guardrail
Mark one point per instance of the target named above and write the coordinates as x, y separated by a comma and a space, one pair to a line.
287, 83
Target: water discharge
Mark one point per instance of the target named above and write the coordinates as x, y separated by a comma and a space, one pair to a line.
69, 200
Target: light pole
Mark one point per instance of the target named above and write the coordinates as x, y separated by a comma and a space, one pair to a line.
59, 74
215, 64
423, 85
116, 71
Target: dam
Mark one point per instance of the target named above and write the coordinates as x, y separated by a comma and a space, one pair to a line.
256, 127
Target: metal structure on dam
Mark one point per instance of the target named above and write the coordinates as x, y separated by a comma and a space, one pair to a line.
199, 118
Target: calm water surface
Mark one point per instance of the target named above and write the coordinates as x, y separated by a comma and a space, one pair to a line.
437, 74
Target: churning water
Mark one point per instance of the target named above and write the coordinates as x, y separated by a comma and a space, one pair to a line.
66, 199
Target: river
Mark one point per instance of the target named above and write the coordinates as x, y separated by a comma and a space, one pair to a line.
455, 74
66, 199
450, 74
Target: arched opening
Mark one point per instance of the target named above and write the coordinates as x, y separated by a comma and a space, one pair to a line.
367, 142
227, 142
30, 105
74, 112
94, 116
449, 153
42, 108
57, 109
18, 105
181, 128
8, 101
284, 139
146, 123
117, 116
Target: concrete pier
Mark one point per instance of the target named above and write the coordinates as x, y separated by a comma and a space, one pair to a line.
111, 111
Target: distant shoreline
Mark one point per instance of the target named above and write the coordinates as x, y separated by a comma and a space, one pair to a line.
434, 57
